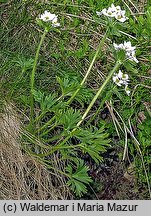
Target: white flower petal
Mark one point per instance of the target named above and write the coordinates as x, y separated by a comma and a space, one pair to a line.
113, 6
117, 81
120, 74
114, 78
111, 13
121, 19
118, 8
129, 49
127, 90
120, 83
125, 77
131, 56
116, 46
125, 82
55, 24
98, 13
104, 11
120, 16
135, 59
114, 11
47, 16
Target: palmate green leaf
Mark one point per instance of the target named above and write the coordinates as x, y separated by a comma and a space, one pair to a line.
78, 187
93, 141
85, 95
79, 178
68, 118
68, 153
92, 135
93, 152
46, 102
67, 86
23, 62
80, 172
38, 95
130, 66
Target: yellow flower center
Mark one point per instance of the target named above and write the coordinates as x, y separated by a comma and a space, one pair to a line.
119, 17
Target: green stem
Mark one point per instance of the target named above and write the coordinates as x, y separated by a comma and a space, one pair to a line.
47, 131
53, 149
45, 125
100, 107
90, 67
32, 81
56, 137
117, 65
39, 117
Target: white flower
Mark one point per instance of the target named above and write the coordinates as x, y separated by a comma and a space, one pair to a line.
98, 13
114, 11
107, 12
122, 76
118, 46
55, 22
121, 79
125, 46
125, 77
110, 12
127, 90
129, 49
47, 16
120, 16
117, 80
118, 8
131, 56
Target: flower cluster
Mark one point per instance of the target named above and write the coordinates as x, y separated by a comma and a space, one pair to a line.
122, 79
47, 16
129, 49
114, 11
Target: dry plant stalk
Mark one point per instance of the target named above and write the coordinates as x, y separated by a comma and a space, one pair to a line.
21, 175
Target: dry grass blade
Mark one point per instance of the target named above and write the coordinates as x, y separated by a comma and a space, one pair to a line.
21, 175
